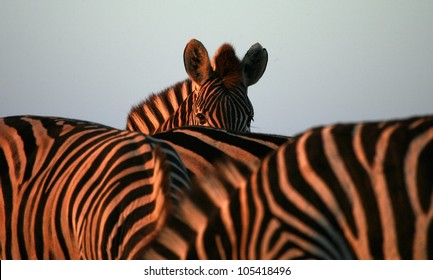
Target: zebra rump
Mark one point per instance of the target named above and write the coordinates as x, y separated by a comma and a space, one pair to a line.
71, 189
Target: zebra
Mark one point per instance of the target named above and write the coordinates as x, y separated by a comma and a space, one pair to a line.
344, 191
72, 189
215, 94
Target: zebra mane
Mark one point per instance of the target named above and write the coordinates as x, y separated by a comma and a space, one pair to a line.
197, 209
147, 115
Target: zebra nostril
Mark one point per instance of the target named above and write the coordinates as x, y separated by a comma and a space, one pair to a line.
201, 118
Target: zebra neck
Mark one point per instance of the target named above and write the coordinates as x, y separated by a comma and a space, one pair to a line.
159, 111
181, 117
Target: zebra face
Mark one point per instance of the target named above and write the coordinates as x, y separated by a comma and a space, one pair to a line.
219, 106
220, 95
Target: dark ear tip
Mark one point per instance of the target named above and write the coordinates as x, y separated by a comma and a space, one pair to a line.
257, 46
256, 53
194, 43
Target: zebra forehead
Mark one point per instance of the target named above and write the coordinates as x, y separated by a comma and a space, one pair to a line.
227, 64
225, 54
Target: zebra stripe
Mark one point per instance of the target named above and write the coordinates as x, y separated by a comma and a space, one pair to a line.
347, 191
77, 190
200, 147
215, 94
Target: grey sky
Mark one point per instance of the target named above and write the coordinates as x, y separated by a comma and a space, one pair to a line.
329, 61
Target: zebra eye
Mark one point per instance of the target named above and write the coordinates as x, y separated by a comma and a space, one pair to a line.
201, 118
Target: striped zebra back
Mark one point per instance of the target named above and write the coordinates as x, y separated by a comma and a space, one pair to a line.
77, 190
200, 147
347, 191
215, 94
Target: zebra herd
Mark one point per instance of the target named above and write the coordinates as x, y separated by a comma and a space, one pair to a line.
188, 180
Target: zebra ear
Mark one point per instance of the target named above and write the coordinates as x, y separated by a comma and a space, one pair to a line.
197, 63
254, 64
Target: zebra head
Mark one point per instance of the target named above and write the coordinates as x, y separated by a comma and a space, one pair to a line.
215, 94
219, 87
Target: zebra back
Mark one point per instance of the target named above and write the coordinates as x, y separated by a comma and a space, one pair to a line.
77, 190
215, 94
346, 191
200, 147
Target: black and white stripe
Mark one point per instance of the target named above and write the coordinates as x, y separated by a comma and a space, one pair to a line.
346, 191
215, 94
200, 147
78, 190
